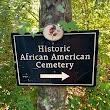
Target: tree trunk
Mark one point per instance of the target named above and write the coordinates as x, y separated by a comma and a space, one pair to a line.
53, 97
49, 13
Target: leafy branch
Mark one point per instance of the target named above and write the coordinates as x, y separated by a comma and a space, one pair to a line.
70, 26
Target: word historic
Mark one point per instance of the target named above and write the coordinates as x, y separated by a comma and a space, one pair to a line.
44, 48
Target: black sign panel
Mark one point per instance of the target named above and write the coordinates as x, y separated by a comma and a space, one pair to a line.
69, 61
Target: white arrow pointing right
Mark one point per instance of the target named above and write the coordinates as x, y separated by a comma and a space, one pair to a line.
63, 76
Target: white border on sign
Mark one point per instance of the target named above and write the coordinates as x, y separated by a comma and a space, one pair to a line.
38, 84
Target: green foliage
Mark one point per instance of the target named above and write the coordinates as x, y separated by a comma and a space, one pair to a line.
21, 31
14, 15
24, 101
74, 102
33, 32
60, 7
68, 26
49, 17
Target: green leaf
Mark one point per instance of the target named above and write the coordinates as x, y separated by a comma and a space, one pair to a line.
72, 25
33, 34
62, 22
41, 29
68, 26
63, 4
49, 17
60, 8
24, 24
4, 12
64, 25
33, 31
88, 108
21, 30
100, 106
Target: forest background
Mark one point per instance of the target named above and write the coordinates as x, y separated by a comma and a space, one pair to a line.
23, 16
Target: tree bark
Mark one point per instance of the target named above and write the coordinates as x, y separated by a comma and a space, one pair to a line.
53, 97
49, 13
